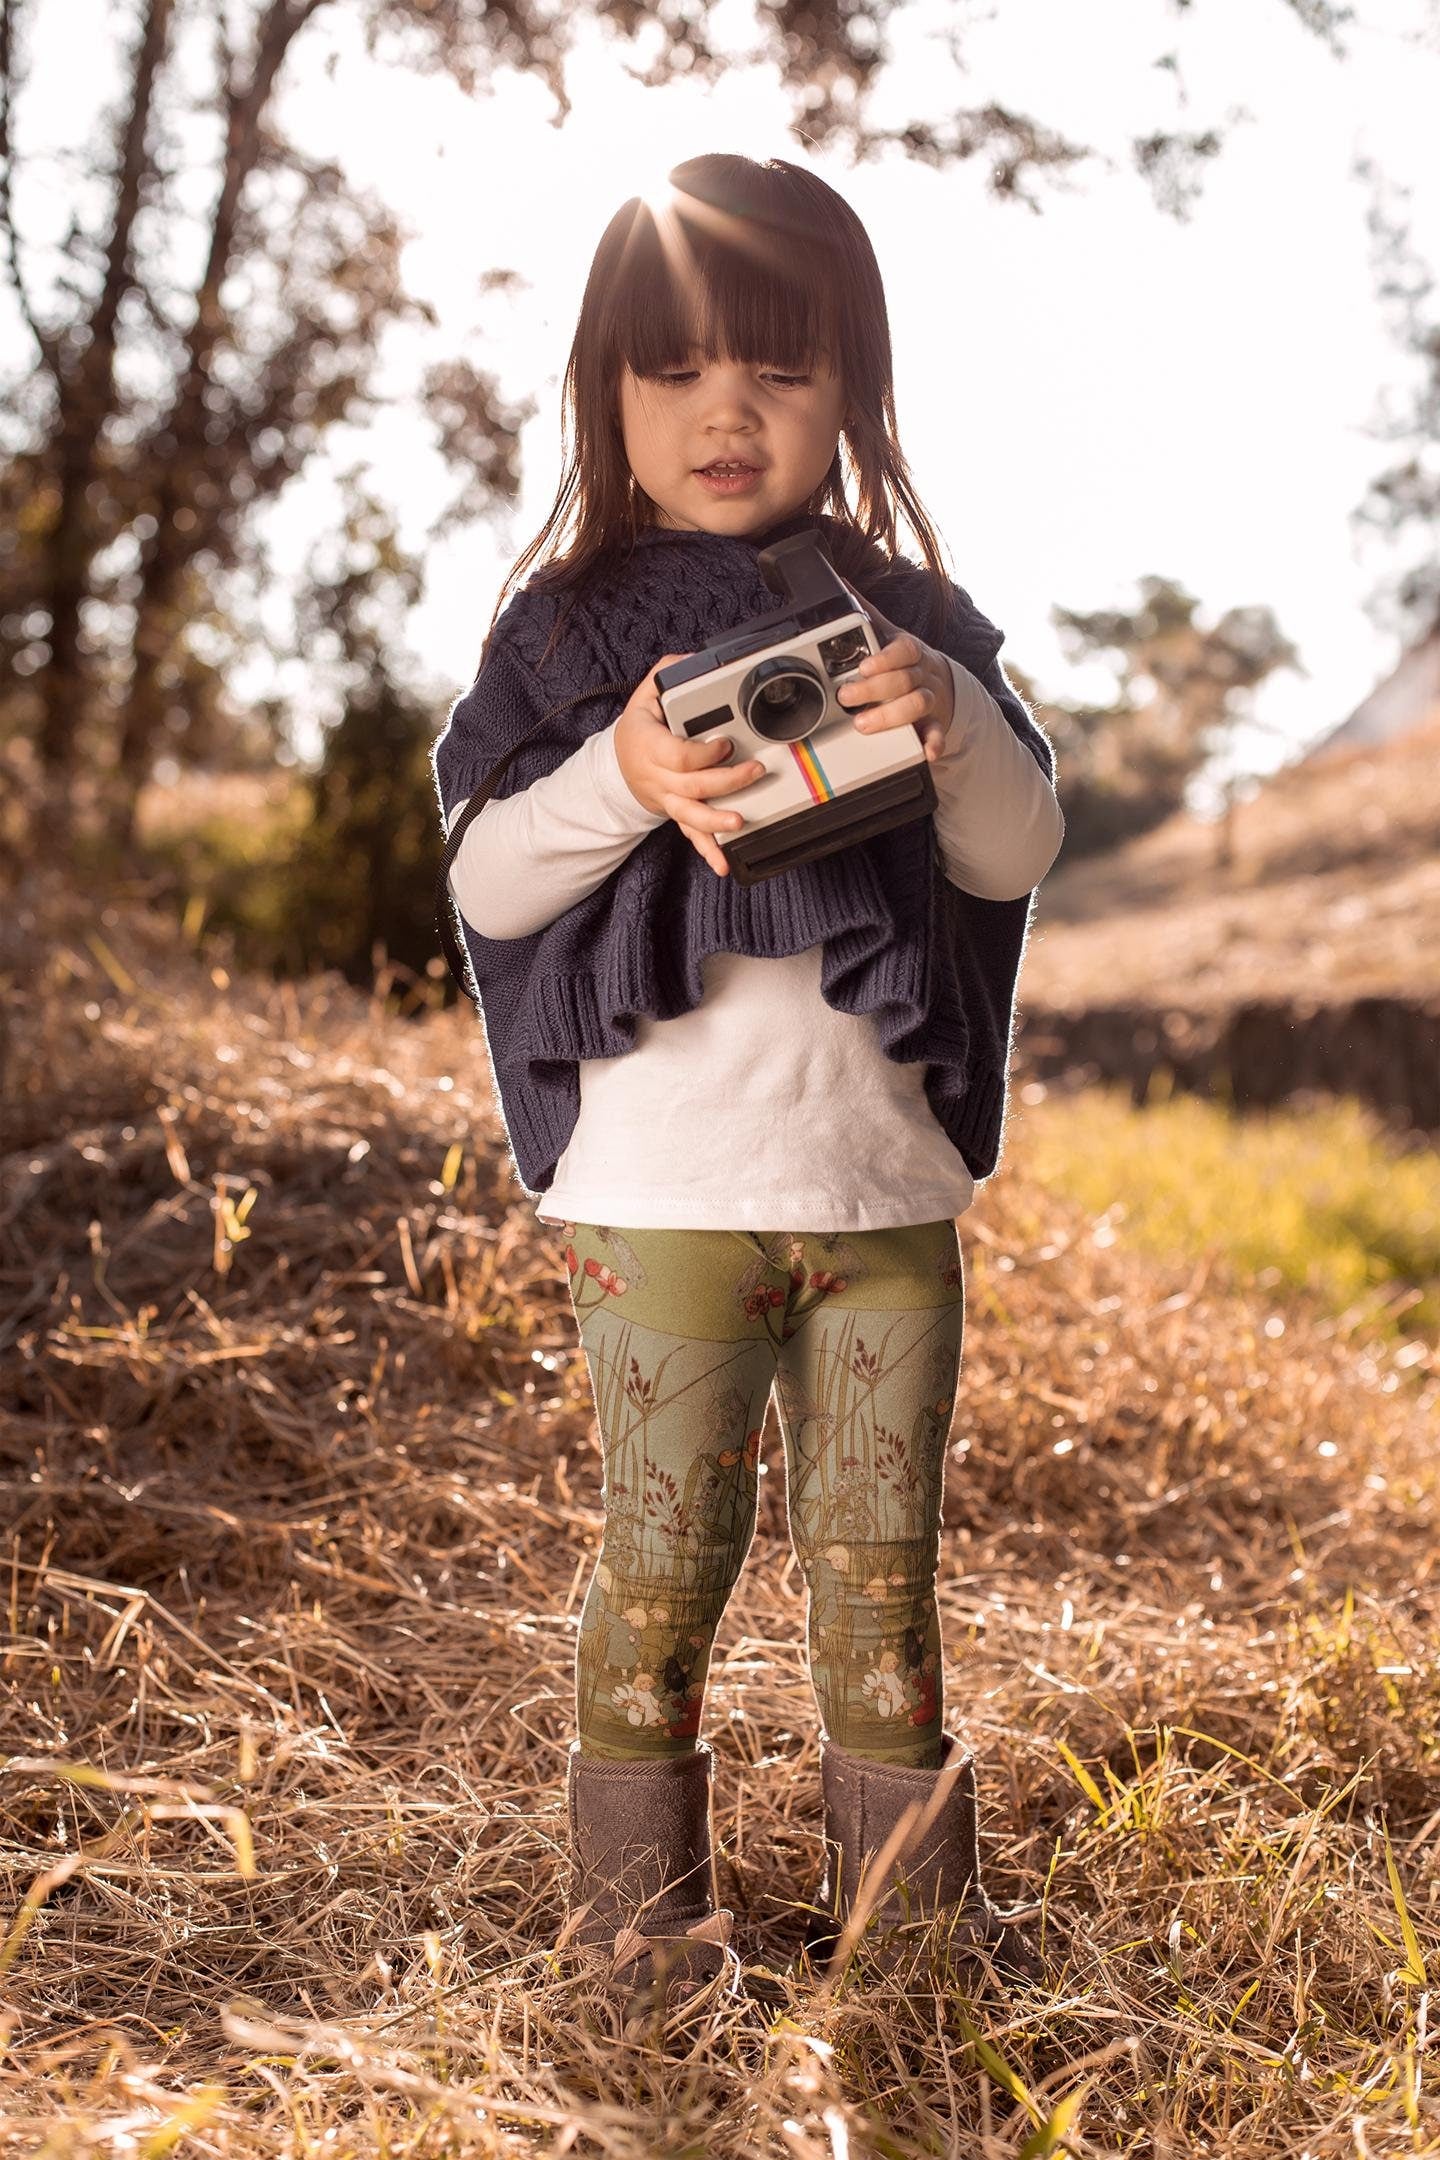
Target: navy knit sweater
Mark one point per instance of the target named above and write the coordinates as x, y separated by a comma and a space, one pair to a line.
937, 967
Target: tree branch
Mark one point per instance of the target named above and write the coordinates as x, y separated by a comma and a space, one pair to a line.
47, 344
132, 167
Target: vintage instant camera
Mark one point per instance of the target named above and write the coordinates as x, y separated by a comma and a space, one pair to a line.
771, 685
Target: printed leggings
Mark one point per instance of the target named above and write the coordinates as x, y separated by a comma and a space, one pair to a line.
685, 1333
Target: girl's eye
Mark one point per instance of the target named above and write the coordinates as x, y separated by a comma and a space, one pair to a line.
688, 375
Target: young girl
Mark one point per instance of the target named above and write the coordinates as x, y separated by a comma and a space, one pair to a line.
783, 1092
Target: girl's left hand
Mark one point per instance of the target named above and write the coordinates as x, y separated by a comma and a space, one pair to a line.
906, 682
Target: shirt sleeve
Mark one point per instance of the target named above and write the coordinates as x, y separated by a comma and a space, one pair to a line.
524, 860
997, 816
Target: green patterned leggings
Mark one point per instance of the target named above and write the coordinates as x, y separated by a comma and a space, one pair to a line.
685, 1333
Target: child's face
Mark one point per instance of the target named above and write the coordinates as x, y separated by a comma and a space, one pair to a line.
786, 424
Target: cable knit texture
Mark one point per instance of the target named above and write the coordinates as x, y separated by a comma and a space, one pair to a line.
936, 967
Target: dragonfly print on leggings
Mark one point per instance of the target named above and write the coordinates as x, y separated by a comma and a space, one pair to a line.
685, 1335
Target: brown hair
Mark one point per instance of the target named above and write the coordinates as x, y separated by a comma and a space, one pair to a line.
767, 262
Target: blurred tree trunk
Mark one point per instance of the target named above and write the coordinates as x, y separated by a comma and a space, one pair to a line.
181, 437
81, 362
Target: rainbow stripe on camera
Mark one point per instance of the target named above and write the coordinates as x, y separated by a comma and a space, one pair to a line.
816, 778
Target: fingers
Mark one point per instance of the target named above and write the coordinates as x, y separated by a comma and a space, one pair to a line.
700, 770
712, 854
689, 774
698, 814
699, 818
884, 677
903, 650
704, 845
709, 766
688, 801
709, 751
726, 775
892, 706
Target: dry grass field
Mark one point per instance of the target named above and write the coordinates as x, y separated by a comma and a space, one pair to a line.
301, 1495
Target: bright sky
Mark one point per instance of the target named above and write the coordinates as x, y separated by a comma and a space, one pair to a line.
1085, 396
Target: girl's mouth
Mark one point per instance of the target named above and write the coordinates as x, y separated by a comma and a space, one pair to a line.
728, 480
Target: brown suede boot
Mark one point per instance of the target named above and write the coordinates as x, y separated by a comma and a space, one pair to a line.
642, 1887
917, 1833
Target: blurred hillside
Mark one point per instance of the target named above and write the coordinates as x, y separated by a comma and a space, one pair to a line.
1333, 892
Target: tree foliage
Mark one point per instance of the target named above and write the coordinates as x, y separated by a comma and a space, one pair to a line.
1128, 765
185, 364
1404, 499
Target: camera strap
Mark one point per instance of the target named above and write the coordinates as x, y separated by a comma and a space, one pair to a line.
446, 910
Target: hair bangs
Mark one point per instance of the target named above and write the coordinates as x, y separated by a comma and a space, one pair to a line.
699, 283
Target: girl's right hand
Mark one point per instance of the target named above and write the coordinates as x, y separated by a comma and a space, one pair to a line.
666, 774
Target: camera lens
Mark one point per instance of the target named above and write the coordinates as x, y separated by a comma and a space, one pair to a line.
783, 699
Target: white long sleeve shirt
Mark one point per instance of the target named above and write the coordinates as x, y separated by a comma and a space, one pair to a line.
764, 1108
